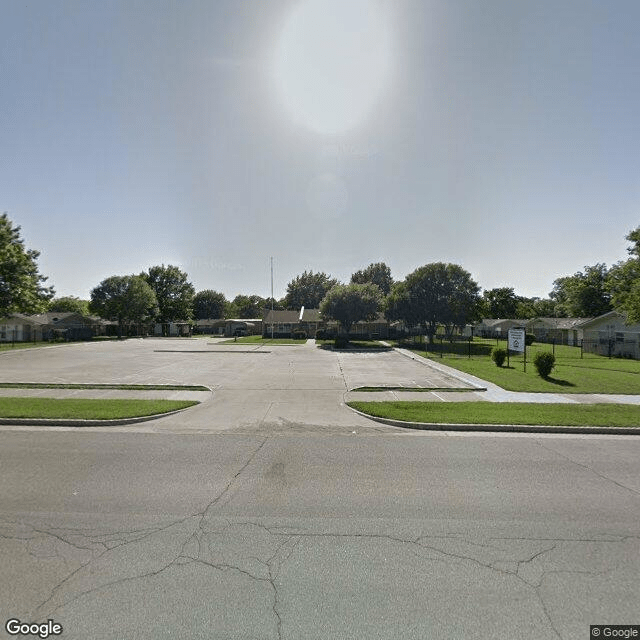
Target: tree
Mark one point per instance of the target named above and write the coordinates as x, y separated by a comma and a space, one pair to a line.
378, 273
125, 299
434, 294
536, 308
21, 285
623, 281
246, 307
209, 304
351, 303
308, 290
501, 302
173, 291
69, 304
583, 295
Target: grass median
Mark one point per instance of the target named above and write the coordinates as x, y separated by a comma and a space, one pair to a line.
529, 413
87, 409
260, 340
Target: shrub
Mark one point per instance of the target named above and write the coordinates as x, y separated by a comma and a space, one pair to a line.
321, 334
498, 355
544, 363
299, 335
529, 339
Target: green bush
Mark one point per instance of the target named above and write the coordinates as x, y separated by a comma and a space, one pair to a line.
498, 355
529, 339
544, 363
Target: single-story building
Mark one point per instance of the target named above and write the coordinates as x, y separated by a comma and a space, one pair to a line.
228, 326
497, 327
17, 327
611, 335
287, 323
559, 330
45, 326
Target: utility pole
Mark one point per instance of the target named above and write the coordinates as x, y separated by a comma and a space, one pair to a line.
272, 319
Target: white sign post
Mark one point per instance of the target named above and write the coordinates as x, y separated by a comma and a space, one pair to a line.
516, 342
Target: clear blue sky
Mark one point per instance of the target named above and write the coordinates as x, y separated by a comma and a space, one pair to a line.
329, 134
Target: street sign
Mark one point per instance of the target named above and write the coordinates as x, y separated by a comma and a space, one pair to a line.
516, 339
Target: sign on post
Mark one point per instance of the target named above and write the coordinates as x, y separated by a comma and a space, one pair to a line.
516, 339
516, 343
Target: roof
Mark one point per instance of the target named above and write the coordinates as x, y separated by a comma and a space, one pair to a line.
559, 323
311, 315
282, 316
495, 322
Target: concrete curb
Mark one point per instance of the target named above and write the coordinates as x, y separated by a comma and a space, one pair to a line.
53, 422
510, 428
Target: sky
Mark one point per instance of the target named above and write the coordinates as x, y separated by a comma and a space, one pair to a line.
326, 134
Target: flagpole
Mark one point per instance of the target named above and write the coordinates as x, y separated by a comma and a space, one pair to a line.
272, 319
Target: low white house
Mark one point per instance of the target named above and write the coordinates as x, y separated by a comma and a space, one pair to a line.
610, 335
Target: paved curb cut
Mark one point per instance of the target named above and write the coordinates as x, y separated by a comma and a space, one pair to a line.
511, 428
53, 422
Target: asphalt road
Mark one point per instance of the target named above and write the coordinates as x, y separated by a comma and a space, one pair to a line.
285, 529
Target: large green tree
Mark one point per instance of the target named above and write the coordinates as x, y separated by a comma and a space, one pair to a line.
584, 294
378, 273
209, 304
173, 291
308, 290
623, 280
125, 299
351, 303
536, 308
22, 287
434, 294
69, 304
501, 302
246, 307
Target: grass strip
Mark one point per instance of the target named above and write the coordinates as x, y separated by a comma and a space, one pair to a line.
530, 413
261, 340
83, 409
123, 387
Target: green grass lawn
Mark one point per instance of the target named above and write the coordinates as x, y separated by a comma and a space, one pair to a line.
82, 409
602, 415
124, 387
261, 340
571, 374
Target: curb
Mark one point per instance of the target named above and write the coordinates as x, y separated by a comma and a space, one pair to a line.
54, 422
500, 428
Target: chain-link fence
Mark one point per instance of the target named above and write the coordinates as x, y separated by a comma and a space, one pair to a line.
467, 347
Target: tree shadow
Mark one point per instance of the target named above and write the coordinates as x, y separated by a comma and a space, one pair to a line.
560, 383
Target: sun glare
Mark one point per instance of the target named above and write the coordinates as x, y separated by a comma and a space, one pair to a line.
332, 63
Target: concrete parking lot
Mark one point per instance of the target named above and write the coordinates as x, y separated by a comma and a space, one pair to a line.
254, 387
